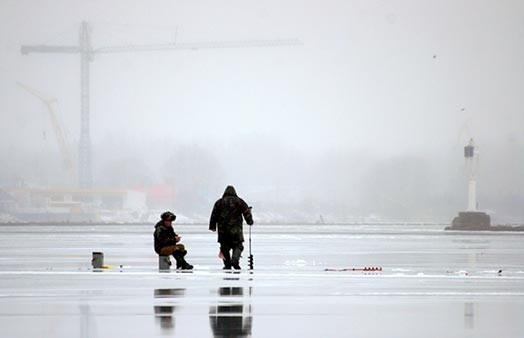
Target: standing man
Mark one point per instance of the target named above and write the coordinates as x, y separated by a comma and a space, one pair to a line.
227, 217
166, 241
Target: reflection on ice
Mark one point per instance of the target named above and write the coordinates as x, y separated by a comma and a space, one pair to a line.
165, 313
469, 315
232, 317
87, 323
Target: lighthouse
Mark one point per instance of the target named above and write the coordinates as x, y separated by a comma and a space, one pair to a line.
472, 218
471, 156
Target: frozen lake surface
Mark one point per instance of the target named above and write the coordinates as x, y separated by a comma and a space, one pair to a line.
433, 283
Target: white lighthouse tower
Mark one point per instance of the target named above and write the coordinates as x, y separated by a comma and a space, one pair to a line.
472, 218
471, 156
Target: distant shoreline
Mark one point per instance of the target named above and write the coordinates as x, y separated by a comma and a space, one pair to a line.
495, 228
205, 223
516, 228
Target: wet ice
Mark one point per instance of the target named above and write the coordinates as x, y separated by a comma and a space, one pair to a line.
429, 277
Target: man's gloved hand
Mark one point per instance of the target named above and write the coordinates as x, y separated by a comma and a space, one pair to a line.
249, 216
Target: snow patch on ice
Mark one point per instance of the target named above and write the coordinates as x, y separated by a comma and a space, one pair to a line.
296, 262
401, 270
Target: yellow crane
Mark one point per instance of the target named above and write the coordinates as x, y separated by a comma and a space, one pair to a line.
60, 137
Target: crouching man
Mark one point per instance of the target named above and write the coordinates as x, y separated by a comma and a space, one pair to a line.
166, 241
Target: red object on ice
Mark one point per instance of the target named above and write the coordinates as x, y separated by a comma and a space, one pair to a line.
357, 269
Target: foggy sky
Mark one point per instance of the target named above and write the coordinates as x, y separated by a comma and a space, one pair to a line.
368, 116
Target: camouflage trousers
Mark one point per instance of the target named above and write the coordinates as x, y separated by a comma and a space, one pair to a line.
237, 248
169, 250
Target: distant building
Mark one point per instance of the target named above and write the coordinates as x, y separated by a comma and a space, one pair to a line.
7, 202
72, 205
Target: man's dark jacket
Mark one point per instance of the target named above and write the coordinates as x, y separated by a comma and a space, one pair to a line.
164, 236
227, 216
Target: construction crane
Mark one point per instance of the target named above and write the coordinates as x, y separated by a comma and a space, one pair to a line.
60, 136
87, 53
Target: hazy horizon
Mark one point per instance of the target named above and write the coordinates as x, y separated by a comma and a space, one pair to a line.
368, 116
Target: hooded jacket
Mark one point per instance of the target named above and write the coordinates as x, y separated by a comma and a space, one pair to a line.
164, 236
227, 216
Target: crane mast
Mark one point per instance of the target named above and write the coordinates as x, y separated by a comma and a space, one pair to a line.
85, 176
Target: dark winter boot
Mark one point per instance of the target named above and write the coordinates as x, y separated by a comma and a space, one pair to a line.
180, 261
235, 264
